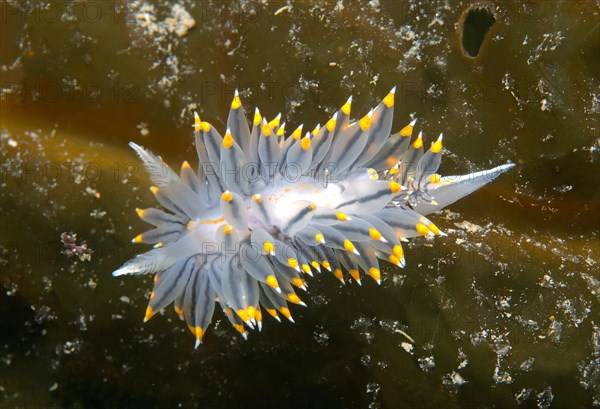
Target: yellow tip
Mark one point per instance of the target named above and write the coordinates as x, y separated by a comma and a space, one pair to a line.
227, 196
434, 229
331, 124
341, 216
398, 251
285, 312
389, 98
140, 212
326, 264
346, 107
394, 260
138, 239
158, 245
320, 238
266, 130
257, 198
374, 233
185, 165
422, 229
298, 282
239, 328
251, 312
228, 229
272, 281
349, 246
316, 129
435, 178
375, 273
437, 146
149, 314
191, 224
418, 143
257, 118
205, 126
305, 143
365, 122
268, 247
236, 103
338, 274
243, 314
179, 311
305, 268
275, 122
154, 190
394, 187
407, 130
293, 298
197, 122
292, 262
281, 130
297, 134
315, 264
228, 140
272, 312
354, 274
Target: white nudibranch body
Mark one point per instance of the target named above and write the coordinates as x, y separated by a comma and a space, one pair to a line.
263, 211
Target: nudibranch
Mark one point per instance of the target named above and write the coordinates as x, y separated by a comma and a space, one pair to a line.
263, 211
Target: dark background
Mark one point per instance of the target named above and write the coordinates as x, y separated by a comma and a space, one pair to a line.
503, 312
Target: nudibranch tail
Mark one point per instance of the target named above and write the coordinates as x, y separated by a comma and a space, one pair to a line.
265, 210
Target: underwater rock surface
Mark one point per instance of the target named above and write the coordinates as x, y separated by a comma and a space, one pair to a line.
503, 312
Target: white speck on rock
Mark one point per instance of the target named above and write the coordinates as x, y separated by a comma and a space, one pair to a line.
426, 364
180, 22
407, 347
